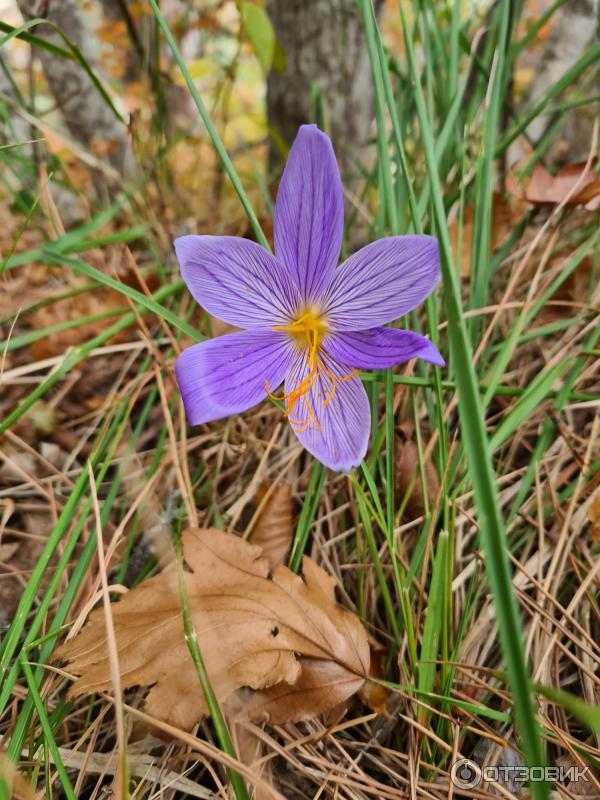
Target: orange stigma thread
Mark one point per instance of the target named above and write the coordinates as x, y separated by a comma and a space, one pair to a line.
308, 331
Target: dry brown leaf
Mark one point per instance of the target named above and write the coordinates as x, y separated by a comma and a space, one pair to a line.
462, 242
374, 694
408, 479
321, 685
253, 631
543, 188
503, 220
575, 289
273, 531
594, 517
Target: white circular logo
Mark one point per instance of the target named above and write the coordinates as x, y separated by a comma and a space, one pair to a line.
465, 774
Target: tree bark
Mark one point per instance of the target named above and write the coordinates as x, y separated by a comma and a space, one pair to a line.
324, 45
571, 31
12, 128
85, 112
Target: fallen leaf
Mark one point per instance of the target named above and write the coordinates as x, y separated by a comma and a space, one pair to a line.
273, 530
462, 241
575, 289
321, 685
374, 694
543, 188
408, 479
503, 220
253, 632
594, 517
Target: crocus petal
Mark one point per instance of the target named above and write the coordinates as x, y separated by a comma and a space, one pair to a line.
227, 375
340, 439
382, 282
309, 212
380, 348
237, 280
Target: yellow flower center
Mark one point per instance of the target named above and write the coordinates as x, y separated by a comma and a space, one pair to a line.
308, 330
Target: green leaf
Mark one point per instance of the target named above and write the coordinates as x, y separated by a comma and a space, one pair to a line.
21, 33
201, 68
257, 27
586, 713
434, 621
475, 441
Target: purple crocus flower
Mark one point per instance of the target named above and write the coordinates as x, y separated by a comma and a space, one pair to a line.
307, 323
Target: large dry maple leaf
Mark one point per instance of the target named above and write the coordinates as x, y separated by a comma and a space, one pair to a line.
283, 636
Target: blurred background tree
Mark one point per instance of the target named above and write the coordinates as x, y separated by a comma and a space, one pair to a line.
264, 67
87, 116
326, 77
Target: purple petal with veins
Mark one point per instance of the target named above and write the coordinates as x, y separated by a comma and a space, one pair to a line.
309, 213
237, 280
227, 375
380, 348
382, 282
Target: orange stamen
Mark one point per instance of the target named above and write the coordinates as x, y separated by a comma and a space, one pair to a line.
307, 332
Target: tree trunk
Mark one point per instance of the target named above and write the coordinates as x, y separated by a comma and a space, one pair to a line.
324, 45
12, 127
85, 112
570, 32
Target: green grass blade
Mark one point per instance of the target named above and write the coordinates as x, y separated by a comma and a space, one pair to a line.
21, 33
434, 621
477, 451
307, 515
149, 303
47, 730
536, 392
591, 57
587, 713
